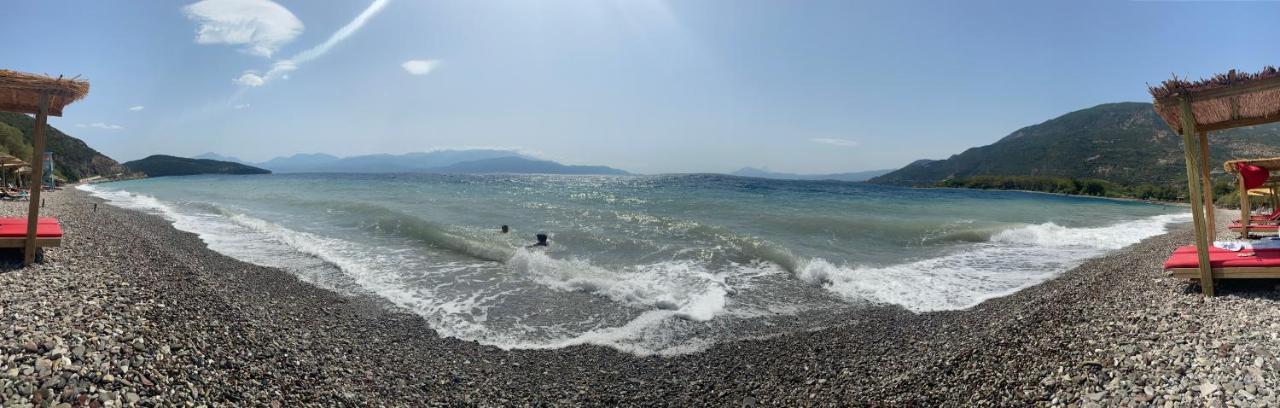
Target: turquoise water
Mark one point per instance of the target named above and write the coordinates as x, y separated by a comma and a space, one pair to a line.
648, 264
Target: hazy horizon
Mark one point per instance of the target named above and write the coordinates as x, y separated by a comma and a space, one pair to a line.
648, 86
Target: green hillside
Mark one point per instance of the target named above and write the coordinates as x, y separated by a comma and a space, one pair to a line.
1122, 143
161, 165
72, 158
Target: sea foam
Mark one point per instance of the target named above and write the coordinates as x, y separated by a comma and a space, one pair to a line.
1009, 261
669, 306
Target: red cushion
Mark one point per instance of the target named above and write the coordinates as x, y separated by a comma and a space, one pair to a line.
46, 227
1254, 176
41, 220
1186, 257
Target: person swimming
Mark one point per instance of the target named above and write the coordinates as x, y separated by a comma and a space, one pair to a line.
542, 241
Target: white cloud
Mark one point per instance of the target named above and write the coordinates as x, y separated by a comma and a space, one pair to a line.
280, 69
419, 67
835, 142
260, 26
250, 79
136, 108
241, 106
100, 125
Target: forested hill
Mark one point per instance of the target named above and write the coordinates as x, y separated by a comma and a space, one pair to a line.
72, 158
160, 165
1122, 143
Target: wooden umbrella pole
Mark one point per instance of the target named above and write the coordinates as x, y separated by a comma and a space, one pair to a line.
1275, 201
1244, 206
1210, 224
1189, 142
37, 168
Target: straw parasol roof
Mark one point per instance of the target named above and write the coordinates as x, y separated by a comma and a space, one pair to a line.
1225, 101
20, 92
1271, 164
7, 161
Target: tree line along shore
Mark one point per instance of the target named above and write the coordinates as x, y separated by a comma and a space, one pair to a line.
1225, 192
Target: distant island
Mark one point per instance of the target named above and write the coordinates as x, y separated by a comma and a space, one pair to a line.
163, 165
852, 176
462, 161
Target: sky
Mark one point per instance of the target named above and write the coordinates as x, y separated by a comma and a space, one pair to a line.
649, 86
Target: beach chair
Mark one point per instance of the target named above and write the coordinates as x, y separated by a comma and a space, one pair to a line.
1274, 217
1269, 228
13, 232
1263, 263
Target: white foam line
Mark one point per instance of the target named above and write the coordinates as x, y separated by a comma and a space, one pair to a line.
1014, 260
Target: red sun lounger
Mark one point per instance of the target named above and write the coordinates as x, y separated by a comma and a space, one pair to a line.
1273, 217
13, 232
1267, 228
1248, 263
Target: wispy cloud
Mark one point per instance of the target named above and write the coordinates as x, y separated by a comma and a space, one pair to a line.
250, 78
419, 67
240, 106
280, 69
260, 26
834, 142
136, 108
100, 125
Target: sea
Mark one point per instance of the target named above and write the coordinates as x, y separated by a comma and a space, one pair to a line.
664, 264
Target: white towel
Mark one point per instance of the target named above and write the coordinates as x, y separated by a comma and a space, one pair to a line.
1233, 246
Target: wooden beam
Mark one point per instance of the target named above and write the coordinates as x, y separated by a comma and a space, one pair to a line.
37, 171
1207, 186
1242, 122
1189, 146
1229, 273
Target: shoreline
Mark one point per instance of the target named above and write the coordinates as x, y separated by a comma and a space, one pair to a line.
194, 325
1124, 199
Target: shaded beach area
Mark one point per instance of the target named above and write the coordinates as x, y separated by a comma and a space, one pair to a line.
130, 310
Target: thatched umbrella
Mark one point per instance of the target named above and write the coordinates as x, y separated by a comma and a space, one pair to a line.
9, 162
40, 95
1195, 108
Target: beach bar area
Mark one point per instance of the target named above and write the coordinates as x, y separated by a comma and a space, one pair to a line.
1193, 109
38, 95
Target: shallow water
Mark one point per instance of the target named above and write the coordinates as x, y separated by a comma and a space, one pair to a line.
647, 264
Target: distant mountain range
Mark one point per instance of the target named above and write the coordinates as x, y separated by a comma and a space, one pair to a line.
218, 157
161, 165
472, 161
1124, 143
853, 176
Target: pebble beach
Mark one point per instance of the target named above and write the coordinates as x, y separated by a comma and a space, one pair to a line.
132, 312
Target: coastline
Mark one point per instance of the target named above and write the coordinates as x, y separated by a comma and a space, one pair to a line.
129, 290
1123, 199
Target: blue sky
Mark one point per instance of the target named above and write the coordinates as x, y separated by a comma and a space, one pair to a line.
645, 85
